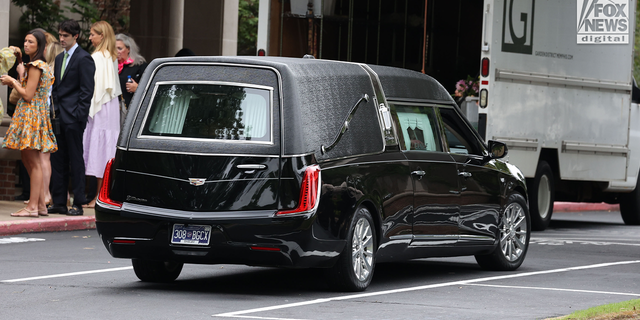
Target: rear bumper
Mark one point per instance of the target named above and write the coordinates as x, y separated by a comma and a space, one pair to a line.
256, 238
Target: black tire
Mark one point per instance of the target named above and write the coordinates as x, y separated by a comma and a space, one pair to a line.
156, 271
541, 197
513, 242
354, 269
630, 207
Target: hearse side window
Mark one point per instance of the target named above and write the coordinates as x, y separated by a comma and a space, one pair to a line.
459, 137
417, 129
210, 111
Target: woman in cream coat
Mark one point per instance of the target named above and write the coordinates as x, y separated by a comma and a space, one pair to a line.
103, 126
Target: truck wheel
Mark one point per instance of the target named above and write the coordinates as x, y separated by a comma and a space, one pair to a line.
156, 271
354, 269
630, 207
541, 194
515, 233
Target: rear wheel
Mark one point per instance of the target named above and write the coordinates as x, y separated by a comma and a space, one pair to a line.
354, 269
515, 233
630, 207
156, 271
541, 194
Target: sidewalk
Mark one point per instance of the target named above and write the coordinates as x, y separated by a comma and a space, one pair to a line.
56, 222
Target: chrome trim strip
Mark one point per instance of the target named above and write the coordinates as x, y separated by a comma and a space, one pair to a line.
226, 64
297, 155
195, 215
133, 239
251, 166
107, 206
205, 154
375, 82
187, 180
470, 237
563, 81
514, 143
435, 237
402, 237
223, 83
606, 149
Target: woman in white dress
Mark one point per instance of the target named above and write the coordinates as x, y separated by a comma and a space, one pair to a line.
103, 126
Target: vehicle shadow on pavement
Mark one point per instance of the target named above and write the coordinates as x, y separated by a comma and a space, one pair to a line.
281, 281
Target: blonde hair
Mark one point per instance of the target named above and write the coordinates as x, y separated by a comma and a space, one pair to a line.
52, 50
50, 38
108, 42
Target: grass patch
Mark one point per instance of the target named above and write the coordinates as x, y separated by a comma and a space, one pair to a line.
615, 311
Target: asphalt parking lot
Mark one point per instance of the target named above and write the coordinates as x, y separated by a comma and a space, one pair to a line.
584, 259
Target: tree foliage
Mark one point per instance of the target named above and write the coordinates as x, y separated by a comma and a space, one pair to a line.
46, 14
247, 27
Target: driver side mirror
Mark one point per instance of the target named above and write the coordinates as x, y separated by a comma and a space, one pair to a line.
497, 149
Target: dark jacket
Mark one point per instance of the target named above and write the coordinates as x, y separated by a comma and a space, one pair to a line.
136, 73
72, 94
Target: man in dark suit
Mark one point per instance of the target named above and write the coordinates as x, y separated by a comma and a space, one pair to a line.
72, 92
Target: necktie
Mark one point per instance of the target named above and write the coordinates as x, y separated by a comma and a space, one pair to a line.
64, 64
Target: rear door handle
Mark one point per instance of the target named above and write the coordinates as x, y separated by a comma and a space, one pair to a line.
251, 168
418, 173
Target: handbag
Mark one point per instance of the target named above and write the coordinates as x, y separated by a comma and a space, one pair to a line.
14, 97
55, 122
123, 111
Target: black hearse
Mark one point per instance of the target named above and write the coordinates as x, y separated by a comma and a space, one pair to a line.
289, 162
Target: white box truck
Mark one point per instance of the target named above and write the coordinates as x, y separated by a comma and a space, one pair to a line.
557, 87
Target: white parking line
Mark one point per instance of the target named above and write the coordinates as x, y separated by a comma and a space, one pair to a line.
68, 274
18, 240
242, 313
556, 289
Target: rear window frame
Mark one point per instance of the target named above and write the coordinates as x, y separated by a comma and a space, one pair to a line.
157, 85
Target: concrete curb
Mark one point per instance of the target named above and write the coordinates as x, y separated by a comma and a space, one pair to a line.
583, 206
47, 225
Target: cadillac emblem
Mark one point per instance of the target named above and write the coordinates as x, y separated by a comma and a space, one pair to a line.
197, 181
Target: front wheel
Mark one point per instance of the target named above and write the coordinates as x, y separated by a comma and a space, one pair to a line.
156, 271
354, 269
630, 207
515, 232
541, 194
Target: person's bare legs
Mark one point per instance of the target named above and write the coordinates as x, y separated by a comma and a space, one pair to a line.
36, 206
92, 203
45, 158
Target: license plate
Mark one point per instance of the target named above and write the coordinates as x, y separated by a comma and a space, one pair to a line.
191, 234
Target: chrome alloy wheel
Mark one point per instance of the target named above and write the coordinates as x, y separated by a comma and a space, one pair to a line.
362, 250
513, 234
544, 196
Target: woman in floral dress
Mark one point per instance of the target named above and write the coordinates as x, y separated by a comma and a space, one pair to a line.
30, 130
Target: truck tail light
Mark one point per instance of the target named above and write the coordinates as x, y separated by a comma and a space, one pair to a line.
104, 196
485, 67
483, 98
309, 191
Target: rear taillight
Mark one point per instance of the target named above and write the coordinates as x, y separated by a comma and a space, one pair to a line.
104, 196
308, 191
485, 67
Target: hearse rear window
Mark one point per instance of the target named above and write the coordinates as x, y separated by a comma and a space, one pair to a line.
210, 111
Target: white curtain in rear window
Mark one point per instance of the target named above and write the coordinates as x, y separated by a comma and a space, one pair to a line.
171, 112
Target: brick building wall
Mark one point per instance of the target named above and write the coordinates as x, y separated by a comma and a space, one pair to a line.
7, 180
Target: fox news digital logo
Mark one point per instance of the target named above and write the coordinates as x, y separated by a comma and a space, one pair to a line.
603, 21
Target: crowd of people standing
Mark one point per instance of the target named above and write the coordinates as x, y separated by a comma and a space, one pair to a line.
87, 94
